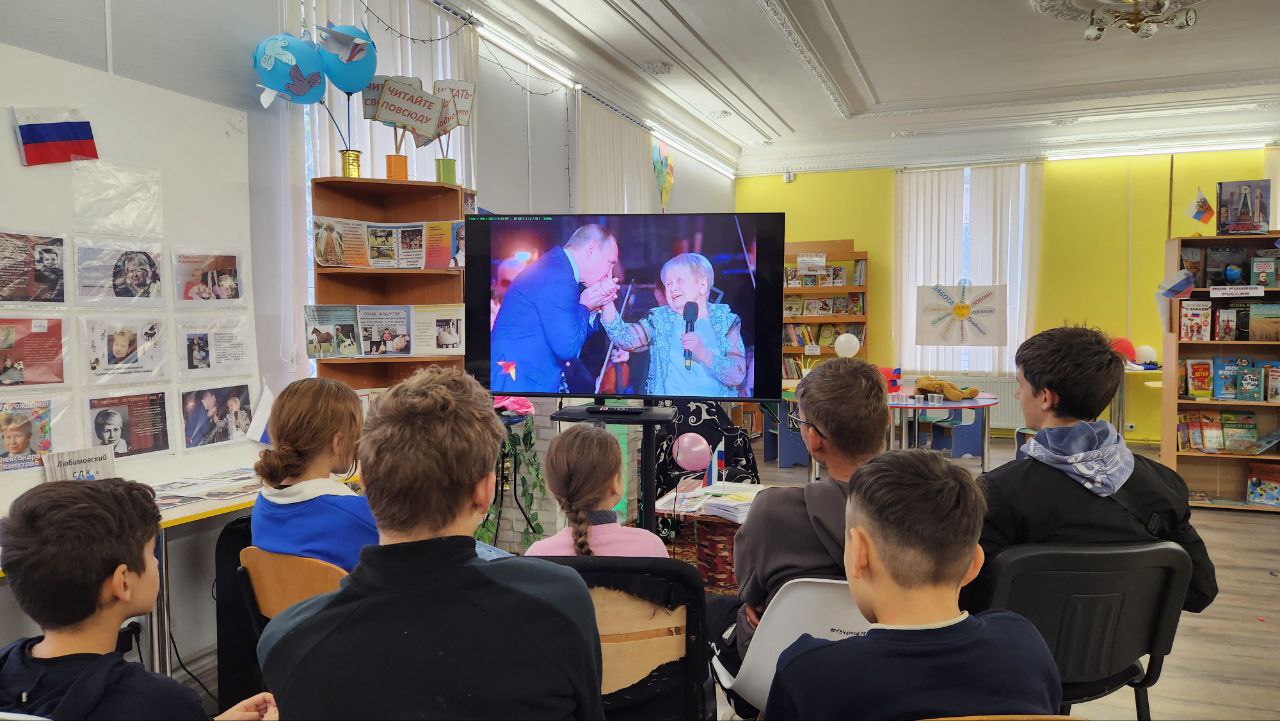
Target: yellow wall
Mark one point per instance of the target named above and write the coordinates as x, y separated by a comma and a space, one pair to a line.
1102, 247
1106, 221
855, 204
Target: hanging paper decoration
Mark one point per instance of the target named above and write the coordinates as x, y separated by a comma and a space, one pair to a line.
664, 170
291, 68
965, 315
349, 55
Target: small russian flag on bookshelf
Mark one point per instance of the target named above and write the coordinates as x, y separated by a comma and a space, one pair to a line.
53, 135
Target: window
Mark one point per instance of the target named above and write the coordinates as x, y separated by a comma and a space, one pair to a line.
979, 224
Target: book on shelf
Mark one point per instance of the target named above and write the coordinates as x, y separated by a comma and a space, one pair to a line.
792, 305
1239, 430
1193, 263
1244, 310
1262, 271
1225, 370
1249, 384
1226, 265
809, 281
1244, 207
384, 329
859, 272
1259, 446
439, 329
840, 305
1211, 430
1184, 433
859, 304
827, 335
1196, 320
1263, 486
1224, 327
1264, 322
331, 331
1195, 431
1199, 378
1272, 383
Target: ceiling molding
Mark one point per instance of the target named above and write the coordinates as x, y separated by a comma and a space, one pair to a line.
1078, 11
842, 32
784, 21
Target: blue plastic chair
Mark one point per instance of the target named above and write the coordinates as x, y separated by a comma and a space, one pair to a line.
961, 438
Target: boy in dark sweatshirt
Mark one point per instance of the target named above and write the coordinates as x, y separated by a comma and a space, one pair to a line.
1080, 483
842, 416
80, 559
912, 543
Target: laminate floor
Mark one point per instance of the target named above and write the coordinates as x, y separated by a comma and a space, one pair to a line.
1226, 661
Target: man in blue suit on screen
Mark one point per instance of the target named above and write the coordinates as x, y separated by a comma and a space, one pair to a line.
549, 311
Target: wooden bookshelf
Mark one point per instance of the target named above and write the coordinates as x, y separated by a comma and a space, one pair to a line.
1223, 477
837, 252
825, 290
385, 201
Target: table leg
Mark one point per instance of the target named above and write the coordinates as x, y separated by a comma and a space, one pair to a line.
160, 660
986, 438
648, 477
1117, 408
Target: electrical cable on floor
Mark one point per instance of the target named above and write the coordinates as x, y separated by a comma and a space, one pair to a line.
174, 644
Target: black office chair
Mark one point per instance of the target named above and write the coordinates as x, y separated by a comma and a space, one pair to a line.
1101, 608
649, 612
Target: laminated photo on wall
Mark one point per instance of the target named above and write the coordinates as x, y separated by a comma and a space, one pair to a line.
31, 351
331, 331
438, 329
339, 242
212, 346
216, 415
131, 424
117, 199
208, 280
118, 273
27, 431
32, 268
122, 348
384, 329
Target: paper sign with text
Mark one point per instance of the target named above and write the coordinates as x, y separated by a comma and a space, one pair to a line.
410, 108
461, 95
370, 96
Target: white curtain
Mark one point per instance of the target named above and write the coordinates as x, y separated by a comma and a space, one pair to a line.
980, 224
614, 162
455, 57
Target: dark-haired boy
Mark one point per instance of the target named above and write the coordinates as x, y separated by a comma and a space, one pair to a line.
80, 560
912, 543
1080, 483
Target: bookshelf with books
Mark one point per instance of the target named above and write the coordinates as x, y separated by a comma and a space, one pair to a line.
1220, 424
386, 202
819, 308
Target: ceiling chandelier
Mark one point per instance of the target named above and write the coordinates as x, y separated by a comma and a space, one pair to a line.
1140, 17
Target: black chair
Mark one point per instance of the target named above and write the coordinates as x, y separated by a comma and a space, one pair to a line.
649, 612
1101, 608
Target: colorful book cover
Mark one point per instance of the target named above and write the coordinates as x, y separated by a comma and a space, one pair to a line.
384, 329
1225, 369
1273, 384
1239, 430
1211, 427
1197, 320
1193, 263
1264, 322
1243, 309
331, 331
1200, 378
1195, 431
439, 244
1225, 327
1249, 384
812, 306
792, 305
1262, 271
1244, 207
840, 305
1226, 265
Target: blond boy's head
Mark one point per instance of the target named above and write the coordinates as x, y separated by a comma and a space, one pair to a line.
913, 520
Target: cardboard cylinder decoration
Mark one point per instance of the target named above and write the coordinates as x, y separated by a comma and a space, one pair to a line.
397, 167
350, 163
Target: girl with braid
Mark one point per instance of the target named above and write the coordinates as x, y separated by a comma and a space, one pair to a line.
584, 471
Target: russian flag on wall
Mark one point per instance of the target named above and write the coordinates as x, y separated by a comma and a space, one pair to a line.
53, 135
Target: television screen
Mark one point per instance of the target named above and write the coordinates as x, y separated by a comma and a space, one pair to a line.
631, 306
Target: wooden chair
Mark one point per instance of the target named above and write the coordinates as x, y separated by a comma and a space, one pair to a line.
649, 613
272, 582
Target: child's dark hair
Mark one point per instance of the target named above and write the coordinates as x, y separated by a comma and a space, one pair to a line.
924, 513
581, 466
1077, 364
63, 539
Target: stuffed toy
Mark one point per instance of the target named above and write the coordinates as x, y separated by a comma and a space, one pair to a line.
949, 390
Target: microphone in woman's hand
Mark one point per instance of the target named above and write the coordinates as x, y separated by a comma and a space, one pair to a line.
690, 318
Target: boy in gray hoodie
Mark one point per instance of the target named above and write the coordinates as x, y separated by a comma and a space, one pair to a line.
1080, 483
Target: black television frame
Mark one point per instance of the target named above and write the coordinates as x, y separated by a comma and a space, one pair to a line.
476, 296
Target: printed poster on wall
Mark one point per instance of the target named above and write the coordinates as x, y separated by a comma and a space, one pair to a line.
122, 348
212, 346
31, 268
961, 315
118, 273
438, 329
26, 428
130, 424
384, 329
30, 351
216, 415
207, 280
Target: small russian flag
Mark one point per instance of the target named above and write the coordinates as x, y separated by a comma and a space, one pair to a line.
53, 135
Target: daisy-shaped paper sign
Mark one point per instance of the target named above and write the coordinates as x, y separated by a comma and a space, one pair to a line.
960, 315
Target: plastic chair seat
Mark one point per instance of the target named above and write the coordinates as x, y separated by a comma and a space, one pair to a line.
1074, 693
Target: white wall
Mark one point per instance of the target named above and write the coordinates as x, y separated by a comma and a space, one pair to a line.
697, 188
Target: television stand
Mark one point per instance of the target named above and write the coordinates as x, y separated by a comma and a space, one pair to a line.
649, 417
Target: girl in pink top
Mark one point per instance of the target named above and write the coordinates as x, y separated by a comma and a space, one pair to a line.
584, 472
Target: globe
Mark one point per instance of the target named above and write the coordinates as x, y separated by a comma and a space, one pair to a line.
1233, 273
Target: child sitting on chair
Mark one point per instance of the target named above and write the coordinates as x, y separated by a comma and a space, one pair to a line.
717, 365
584, 472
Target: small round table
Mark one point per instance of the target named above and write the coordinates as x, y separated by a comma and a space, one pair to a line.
906, 411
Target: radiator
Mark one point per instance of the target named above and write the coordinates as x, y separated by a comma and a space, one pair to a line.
1005, 415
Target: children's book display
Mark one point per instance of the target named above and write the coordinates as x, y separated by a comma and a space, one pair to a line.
340, 242
1231, 265
1264, 483
1231, 378
1232, 320
349, 331
138, 327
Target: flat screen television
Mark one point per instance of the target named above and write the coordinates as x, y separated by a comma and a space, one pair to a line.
626, 306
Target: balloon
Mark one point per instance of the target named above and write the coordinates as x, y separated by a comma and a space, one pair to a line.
291, 67
1145, 354
353, 76
692, 452
1124, 347
847, 345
